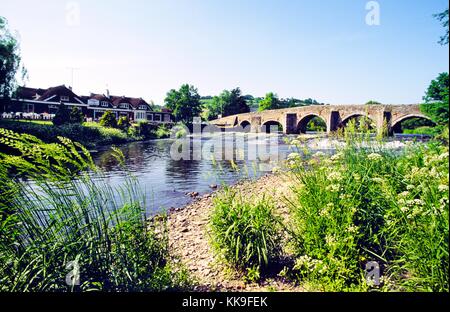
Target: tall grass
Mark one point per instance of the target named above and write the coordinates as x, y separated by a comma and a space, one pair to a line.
369, 204
67, 222
245, 232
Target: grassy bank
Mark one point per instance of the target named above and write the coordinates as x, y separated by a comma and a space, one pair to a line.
88, 134
359, 209
72, 231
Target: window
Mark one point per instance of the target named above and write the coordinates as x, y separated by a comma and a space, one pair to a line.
150, 117
157, 117
124, 105
143, 107
104, 104
64, 98
93, 102
167, 118
140, 115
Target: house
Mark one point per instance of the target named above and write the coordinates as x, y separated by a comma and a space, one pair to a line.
42, 103
45, 101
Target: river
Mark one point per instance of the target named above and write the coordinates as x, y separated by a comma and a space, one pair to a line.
166, 181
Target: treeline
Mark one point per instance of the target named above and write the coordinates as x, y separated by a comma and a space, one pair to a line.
186, 103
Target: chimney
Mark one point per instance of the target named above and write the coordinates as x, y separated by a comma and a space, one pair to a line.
70, 88
107, 93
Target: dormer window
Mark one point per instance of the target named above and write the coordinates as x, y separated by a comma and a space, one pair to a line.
104, 104
143, 107
64, 98
124, 105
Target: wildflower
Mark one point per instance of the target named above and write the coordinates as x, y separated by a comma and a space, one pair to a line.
319, 154
275, 169
352, 229
295, 143
294, 156
336, 157
374, 156
443, 188
335, 175
410, 187
332, 188
357, 177
443, 156
377, 180
404, 194
330, 240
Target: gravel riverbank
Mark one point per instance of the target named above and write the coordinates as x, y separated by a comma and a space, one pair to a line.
189, 239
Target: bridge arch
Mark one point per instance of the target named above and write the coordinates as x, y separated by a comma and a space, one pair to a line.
246, 125
305, 120
361, 119
396, 126
269, 124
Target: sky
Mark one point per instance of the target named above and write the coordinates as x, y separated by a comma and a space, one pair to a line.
321, 49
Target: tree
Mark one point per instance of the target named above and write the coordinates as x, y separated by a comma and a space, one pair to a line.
184, 103
235, 103
10, 63
436, 98
108, 120
438, 89
76, 116
443, 18
62, 115
372, 102
271, 101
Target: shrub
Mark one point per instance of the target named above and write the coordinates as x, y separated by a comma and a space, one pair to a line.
123, 123
76, 116
162, 131
62, 115
245, 233
108, 120
88, 134
65, 222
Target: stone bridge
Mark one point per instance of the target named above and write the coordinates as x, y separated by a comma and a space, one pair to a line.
294, 120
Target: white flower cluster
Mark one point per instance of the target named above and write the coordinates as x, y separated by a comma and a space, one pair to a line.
374, 156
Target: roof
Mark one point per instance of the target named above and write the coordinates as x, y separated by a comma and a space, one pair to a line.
29, 93
134, 102
58, 91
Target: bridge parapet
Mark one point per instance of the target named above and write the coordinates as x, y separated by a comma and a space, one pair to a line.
294, 120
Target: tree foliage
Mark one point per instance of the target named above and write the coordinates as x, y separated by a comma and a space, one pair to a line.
443, 18
123, 123
372, 102
62, 115
271, 101
438, 89
108, 120
10, 62
184, 103
436, 98
226, 104
76, 116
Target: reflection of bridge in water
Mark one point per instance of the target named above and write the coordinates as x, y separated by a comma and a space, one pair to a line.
294, 120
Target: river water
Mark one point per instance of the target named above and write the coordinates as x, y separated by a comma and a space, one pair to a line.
166, 179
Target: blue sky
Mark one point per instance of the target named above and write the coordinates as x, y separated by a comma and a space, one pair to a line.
321, 49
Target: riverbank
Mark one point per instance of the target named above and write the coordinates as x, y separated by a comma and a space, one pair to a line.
189, 239
90, 134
